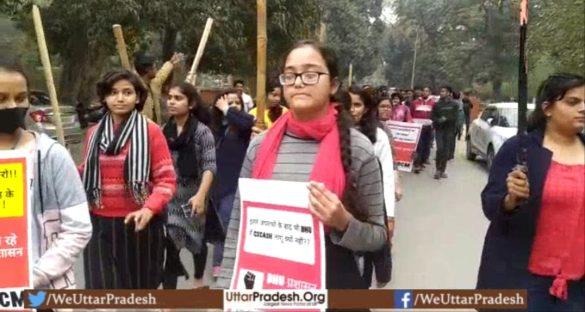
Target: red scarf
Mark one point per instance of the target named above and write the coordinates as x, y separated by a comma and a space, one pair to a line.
328, 168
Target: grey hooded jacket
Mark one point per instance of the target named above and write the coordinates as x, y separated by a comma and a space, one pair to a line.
61, 227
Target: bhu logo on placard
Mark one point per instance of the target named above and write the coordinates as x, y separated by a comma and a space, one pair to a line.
403, 299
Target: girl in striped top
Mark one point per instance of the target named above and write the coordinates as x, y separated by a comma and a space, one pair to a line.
128, 178
314, 142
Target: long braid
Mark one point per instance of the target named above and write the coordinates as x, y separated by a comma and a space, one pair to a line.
344, 124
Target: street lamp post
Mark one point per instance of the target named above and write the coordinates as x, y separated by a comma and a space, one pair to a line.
414, 61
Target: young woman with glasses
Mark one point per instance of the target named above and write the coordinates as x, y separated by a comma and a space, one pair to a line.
343, 174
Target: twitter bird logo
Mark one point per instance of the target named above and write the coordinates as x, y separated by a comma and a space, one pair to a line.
37, 300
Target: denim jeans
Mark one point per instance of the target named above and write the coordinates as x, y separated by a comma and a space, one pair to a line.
224, 211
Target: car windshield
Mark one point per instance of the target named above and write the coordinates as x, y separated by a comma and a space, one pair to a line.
509, 117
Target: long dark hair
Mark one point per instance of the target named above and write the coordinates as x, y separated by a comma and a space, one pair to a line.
198, 109
12, 65
551, 90
343, 98
104, 86
368, 124
344, 124
217, 115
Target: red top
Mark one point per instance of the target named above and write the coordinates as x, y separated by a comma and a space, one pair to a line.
401, 113
559, 243
116, 200
422, 108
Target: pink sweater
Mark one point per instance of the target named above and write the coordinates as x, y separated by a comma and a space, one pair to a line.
117, 201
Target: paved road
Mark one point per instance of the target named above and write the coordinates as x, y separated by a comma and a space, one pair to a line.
439, 229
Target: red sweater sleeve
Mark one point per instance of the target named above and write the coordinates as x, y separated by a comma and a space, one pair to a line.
162, 173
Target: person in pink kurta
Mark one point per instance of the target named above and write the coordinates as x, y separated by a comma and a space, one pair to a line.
400, 112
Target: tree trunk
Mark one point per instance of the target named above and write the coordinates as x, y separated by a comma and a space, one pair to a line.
81, 70
70, 81
92, 73
497, 86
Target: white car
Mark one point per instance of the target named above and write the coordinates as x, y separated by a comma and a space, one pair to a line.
497, 123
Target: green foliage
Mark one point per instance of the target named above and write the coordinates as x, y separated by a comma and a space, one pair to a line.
470, 42
353, 28
79, 33
460, 41
557, 32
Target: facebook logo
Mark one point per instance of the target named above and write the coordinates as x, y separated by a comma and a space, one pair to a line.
403, 299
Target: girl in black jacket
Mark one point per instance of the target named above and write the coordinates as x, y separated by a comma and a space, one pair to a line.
535, 202
232, 128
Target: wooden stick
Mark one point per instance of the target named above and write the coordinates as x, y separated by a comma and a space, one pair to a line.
44, 53
261, 64
192, 76
121, 45
323, 33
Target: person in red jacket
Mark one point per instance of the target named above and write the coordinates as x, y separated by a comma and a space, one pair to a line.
421, 111
128, 178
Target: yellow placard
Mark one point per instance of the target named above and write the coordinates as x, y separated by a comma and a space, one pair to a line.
12, 186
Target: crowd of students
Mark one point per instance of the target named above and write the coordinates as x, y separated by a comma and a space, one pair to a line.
441, 120
143, 192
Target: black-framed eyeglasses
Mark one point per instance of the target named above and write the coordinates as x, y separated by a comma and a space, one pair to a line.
308, 78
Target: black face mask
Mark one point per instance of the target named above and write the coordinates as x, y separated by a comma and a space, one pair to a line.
12, 119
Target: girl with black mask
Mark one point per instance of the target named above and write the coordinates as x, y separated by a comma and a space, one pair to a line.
60, 227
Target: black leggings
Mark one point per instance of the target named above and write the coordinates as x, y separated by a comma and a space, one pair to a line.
445, 141
174, 267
